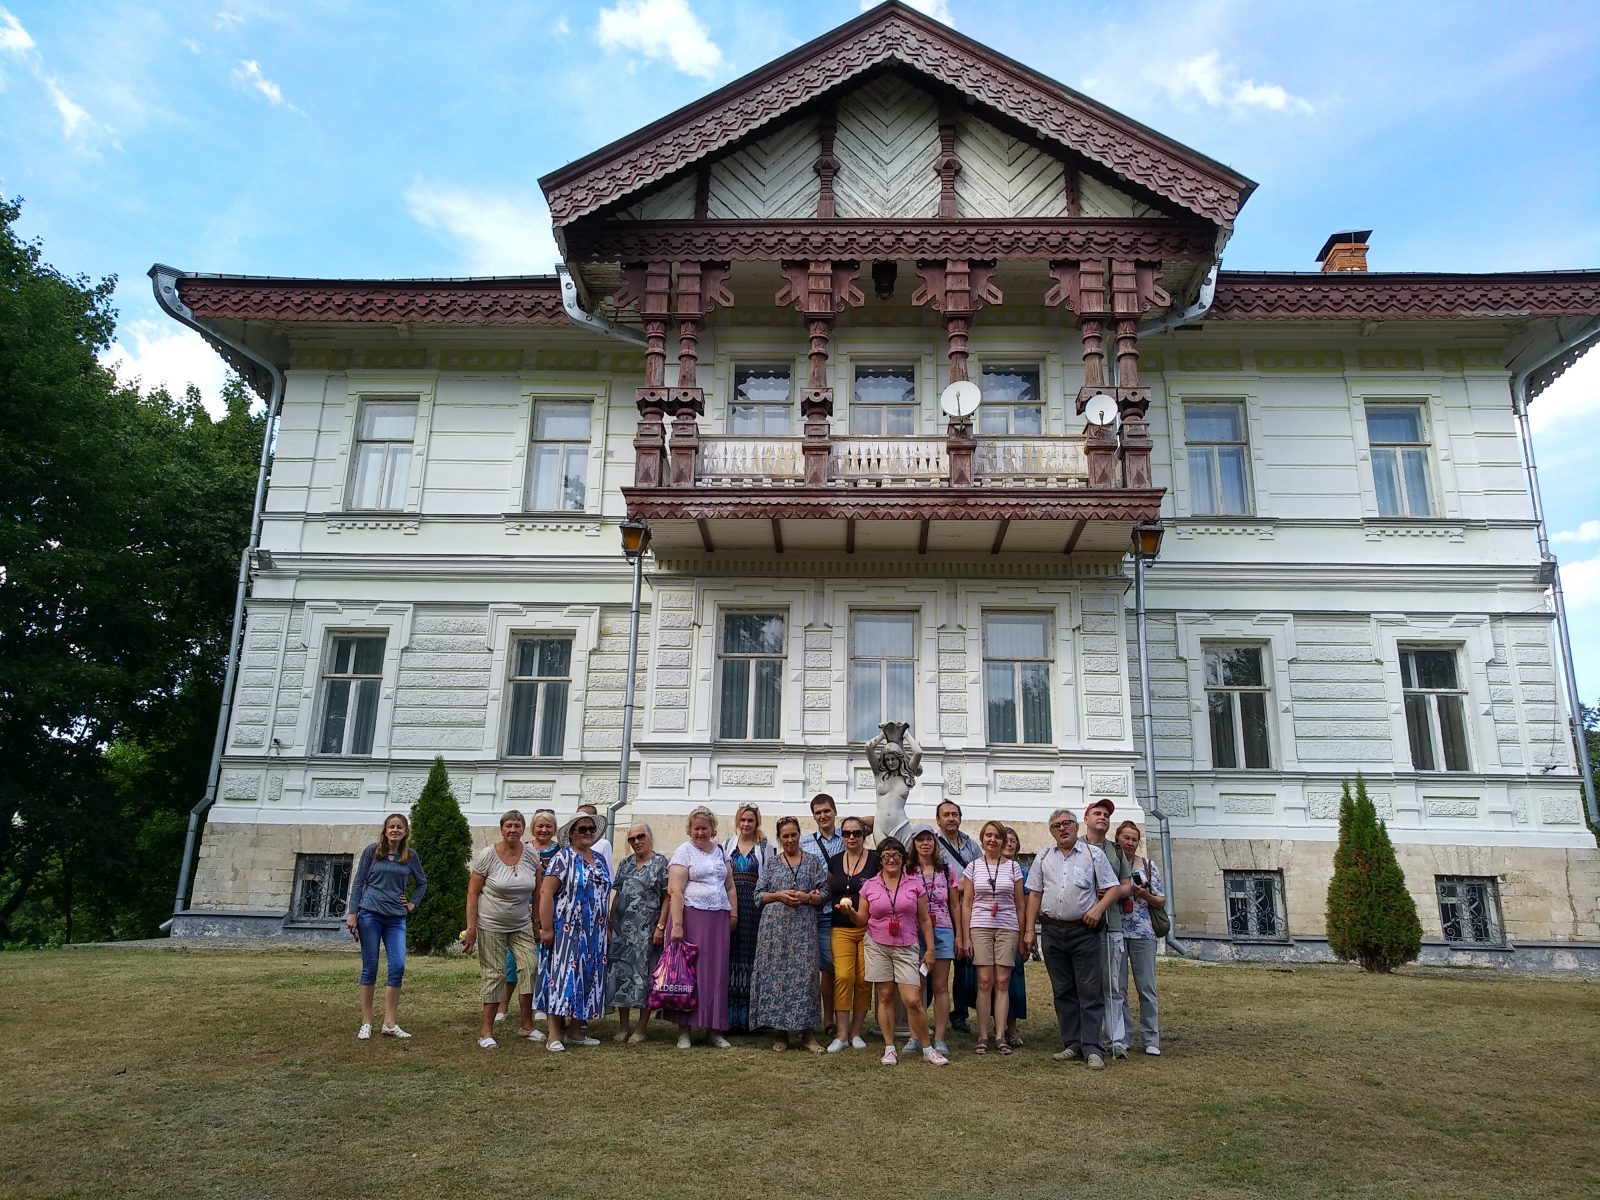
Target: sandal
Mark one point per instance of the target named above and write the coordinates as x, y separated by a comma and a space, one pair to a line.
1005, 1047
981, 1048
779, 1046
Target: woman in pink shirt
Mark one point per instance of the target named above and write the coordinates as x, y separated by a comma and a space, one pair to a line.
894, 908
991, 898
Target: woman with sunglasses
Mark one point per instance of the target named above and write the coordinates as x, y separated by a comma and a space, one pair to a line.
848, 870
638, 920
572, 927
783, 986
991, 898
747, 853
894, 909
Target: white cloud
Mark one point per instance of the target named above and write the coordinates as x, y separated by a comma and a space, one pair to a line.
498, 234
1580, 583
1217, 84
561, 28
76, 123
13, 37
1589, 531
660, 29
1573, 399
163, 354
939, 10
249, 74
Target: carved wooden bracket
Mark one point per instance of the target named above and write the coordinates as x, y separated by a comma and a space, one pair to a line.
826, 166
947, 166
1135, 288
648, 287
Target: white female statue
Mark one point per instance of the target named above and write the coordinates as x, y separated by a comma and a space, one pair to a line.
896, 761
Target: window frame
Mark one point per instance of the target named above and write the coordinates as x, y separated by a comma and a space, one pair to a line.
912, 366
883, 660
326, 675
788, 408
540, 684
1215, 505
1424, 447
1014, 365
567, 446
1234, 692
1494, 913
388, 475
1047, 622
1437, 744
332, 896
1280, 906
722, 656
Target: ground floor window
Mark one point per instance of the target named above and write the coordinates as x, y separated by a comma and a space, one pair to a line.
1255, 906
1469, 910
321, 887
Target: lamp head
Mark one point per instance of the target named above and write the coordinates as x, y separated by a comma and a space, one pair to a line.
635, 539
1147, 539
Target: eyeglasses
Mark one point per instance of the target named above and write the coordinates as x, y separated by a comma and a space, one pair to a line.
852, 833
1062, 824
586, 829
637, 837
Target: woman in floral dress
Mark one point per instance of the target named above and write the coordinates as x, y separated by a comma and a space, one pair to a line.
638, 917
747, 852
783, 986
573, 900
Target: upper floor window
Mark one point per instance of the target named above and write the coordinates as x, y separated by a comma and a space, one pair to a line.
351, 679
1013, 401
750, 667
1397, 436
763, 400
1219, 485
1016, 677
384, 438
1236, 707
1255, 905
1469, 910
883, 668
1436, 709
541, 676
558, 478
884, 401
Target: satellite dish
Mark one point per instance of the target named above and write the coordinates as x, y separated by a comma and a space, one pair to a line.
960, 399
1100, 409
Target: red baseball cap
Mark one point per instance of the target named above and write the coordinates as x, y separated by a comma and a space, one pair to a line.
1102, 803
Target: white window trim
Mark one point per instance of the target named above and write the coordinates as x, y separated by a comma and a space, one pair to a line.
532, 390
918, 713
788, 677
1248, 397
1035, 359
730, 356
924, 365
1473, 638
380, 385
507, 622
1274, 632
324, 619
710, 604
1441, 464
1006, 347
1269, 674
1064, 620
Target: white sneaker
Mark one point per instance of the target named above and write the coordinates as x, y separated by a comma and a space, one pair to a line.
837, 1045
587, 1041
487, 1043
934, 1058
394, 1031
890, 1058
717, 1040
683, 1041
857, 1044
364, 1034
1153, 1051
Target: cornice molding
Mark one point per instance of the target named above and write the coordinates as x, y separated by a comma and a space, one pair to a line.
971, 238
1267, 296
896, 36
893, 504
420, 301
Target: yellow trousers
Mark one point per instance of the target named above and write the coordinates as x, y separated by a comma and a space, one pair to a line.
851, 991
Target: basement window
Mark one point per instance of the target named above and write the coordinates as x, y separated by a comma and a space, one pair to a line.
1469, 910
1255, 906
321, 888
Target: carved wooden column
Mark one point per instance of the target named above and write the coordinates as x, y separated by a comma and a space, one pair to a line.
700, 287
819, 291
648, 286
1134, 288
1080, 287
957, 288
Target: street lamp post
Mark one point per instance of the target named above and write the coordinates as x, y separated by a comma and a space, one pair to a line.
635, 541
1146, 546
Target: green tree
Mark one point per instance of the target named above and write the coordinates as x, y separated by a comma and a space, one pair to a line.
1372, 919
440, 836
121, 519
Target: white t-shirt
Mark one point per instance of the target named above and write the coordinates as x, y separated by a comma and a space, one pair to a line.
708, 876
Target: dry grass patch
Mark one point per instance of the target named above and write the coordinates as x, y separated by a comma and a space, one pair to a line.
237, 1073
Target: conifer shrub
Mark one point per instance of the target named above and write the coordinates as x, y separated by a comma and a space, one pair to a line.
439, 834
1372, 919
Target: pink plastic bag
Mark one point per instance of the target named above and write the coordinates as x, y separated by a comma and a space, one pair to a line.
673, 985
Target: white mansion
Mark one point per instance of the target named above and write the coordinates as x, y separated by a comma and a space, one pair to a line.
769, 292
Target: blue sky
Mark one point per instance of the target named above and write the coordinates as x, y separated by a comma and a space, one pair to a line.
366, 138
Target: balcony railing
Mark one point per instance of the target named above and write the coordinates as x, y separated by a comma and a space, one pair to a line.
1054, 462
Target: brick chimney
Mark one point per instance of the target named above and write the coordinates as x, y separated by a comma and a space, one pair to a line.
1345, 251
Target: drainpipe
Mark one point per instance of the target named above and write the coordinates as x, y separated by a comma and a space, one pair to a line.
1202, 305
164, 280
576, 314
1519, 404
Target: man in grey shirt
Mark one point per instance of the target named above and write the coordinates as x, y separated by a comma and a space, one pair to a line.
1096, 823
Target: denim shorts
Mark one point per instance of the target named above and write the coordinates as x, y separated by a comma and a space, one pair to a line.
824, 943
944, 943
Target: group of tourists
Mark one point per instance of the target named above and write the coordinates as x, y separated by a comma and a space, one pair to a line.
815, 931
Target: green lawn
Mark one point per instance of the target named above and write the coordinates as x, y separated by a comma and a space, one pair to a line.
237, 1073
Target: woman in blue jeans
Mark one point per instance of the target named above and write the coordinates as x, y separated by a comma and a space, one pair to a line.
377, 913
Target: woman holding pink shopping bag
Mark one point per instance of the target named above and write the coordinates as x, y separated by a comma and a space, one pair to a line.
702, 911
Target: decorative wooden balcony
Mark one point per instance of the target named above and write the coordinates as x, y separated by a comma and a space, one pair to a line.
856, 462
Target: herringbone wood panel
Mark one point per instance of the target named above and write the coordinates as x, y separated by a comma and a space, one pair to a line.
1004, 177
774, 177
886, 145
